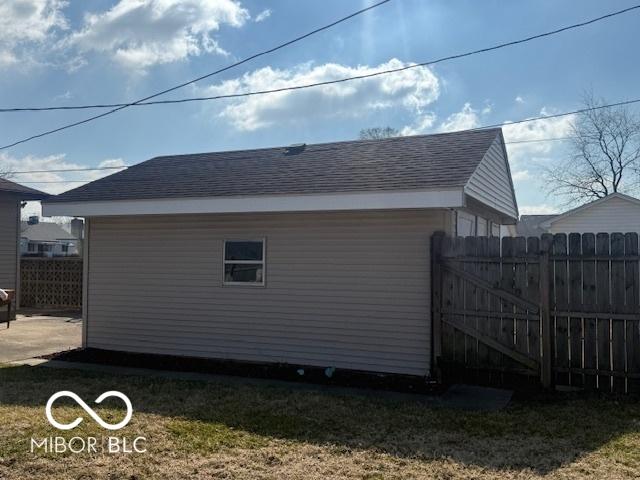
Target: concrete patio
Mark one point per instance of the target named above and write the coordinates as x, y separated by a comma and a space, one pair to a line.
36, 335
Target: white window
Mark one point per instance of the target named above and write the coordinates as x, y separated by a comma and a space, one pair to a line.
244, 262
466, 224
482, 230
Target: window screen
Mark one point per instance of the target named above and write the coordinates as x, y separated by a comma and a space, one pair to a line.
244, 262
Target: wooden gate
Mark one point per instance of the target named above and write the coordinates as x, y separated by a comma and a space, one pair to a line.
557, 310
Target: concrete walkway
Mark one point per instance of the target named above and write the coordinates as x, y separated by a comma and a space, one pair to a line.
34, 336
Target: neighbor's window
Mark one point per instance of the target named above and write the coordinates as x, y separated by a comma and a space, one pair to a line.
244, 262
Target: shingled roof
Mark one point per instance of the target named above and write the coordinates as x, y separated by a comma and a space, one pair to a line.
24, 193
402, 163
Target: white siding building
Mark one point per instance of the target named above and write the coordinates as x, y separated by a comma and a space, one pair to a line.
314, 255
615, 213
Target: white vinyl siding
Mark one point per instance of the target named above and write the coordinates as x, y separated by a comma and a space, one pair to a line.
491, 182
348, 290
612, 215
8, 241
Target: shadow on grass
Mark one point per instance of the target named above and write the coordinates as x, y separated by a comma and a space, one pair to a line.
539, 436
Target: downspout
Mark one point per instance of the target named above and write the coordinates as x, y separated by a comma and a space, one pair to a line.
86, 246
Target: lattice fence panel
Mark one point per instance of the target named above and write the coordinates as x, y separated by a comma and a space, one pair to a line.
51, 282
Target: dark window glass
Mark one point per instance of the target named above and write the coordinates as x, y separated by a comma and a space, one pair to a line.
243, 251
242, 272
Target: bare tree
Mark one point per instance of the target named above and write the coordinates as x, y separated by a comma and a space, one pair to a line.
604, 156
376, 133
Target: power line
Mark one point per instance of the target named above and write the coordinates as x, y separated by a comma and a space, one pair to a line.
495, 125
317, 84
202, 77
556, 115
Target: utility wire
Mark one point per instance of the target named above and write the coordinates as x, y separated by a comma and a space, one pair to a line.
555, 115
299, 87
202, 77
495, 125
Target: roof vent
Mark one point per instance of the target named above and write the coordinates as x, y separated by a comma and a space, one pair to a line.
295, 148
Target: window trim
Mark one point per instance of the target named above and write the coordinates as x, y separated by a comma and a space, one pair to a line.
225, 262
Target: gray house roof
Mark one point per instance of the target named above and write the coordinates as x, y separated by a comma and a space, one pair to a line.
402, 163
44, 232
531, 225
24, 193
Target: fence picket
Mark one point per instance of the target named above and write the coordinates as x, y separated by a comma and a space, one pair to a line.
507, 326
575, 304
632, 283
603, 305
532, 293
459, 353
618, 326
471, 344
482, 305
447, 340
520, 289
588, 306
561, 294
495, 357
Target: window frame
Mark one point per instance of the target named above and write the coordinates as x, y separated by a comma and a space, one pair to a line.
263, 262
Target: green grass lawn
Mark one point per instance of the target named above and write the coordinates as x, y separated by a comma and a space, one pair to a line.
209, 430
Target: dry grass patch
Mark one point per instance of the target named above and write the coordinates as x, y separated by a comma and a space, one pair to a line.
208, 430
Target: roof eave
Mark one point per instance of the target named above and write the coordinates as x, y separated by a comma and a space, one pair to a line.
385, 200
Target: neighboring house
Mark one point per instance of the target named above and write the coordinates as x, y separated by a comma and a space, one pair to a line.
308, 255
614, 213
46, 239
11, 196
531, 225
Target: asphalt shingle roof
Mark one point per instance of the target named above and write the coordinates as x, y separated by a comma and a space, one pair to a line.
44, 232
402, 163
23, 192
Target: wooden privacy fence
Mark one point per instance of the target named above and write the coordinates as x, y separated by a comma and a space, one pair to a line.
51, 282
558, 310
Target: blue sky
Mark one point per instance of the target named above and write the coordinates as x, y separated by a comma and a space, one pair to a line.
54, 52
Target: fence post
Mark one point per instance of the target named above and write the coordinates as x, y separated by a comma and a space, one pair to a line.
436, 302
546, 363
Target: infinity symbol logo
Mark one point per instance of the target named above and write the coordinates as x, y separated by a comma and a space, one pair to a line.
89, 410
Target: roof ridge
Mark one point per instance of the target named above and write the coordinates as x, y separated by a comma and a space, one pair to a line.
338, 142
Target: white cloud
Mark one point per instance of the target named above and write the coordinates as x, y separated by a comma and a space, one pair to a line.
535, 130
25, 24
422, 124
466, 118
463, 120
541, 209
519, 99
142, 33
263, 15
411, 89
